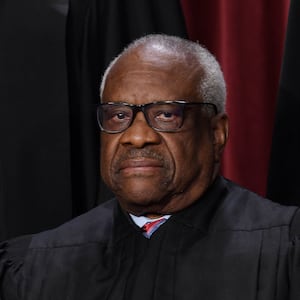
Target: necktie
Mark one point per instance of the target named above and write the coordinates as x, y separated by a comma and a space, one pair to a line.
150, 227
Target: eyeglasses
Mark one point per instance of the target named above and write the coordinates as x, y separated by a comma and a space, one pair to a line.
166, 116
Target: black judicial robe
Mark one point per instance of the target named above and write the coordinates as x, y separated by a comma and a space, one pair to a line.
231, 244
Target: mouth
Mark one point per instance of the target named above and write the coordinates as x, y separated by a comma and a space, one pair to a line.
140, 166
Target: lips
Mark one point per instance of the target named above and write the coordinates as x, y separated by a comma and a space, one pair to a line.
140, 165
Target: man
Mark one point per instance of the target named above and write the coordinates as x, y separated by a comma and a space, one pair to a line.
164, 128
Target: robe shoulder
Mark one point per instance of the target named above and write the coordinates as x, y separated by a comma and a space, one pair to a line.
95, 226
92, 227
242, 209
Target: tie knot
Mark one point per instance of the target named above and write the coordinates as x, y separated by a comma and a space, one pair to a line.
150, 227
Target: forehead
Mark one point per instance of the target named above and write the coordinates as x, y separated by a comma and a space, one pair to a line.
146, 75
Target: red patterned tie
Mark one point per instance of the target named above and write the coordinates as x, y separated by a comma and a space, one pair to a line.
150, 227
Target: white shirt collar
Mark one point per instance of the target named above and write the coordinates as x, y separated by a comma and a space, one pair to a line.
142, 220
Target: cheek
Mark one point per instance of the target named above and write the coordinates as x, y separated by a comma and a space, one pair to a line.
192, 155
109, 144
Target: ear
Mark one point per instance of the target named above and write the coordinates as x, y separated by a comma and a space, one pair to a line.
220, 134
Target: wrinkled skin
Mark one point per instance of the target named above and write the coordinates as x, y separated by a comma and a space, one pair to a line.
154, 173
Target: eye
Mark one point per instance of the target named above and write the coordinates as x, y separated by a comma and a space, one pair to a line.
166, 113
165, 116
118, 115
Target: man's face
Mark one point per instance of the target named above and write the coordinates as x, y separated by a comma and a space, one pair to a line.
153, 172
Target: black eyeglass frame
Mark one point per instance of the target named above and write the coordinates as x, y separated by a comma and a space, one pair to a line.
143, 108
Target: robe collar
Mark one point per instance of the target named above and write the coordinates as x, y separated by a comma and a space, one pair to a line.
199, 215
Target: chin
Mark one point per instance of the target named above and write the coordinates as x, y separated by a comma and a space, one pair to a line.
141, 203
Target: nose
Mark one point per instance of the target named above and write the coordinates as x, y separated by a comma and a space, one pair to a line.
140, 134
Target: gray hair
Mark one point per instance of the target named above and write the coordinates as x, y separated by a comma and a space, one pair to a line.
211, 88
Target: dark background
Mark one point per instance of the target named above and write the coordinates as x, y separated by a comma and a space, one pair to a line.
52, 55
35, 188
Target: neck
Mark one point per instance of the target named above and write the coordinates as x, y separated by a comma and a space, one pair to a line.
153, 216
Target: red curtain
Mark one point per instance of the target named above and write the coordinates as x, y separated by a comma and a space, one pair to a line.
247, 37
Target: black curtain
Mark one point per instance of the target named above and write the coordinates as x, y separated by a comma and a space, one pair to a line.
284, 176
97, 31
34, 133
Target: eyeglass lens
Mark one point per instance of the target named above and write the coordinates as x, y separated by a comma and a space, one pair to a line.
114, 117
